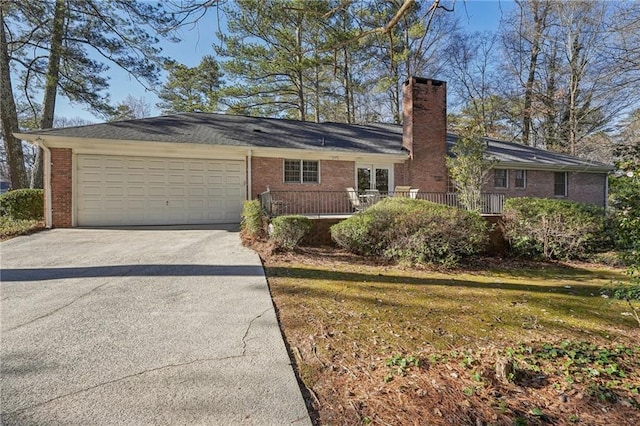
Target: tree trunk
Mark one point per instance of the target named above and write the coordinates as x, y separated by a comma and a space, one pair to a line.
574, 84
346, 84
9, 115
550, 130
302, 107
51, 87
539, 17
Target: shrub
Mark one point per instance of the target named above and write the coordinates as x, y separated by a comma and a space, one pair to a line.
23, 204
413, 231
553, 229
287, 231
251, 223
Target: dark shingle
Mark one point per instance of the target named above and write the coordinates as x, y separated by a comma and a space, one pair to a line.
235, 130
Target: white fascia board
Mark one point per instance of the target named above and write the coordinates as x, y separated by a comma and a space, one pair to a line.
140, 148
306, 154
169, 149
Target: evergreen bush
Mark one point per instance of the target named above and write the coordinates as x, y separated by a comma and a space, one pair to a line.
413, 231
22, 204
287, 231
553, 229
251, 224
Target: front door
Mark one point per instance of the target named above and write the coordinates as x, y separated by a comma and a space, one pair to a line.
374, 177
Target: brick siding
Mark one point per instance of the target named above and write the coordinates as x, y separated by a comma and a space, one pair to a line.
269, 172
61, 187
582, 187
424, 108
335, 176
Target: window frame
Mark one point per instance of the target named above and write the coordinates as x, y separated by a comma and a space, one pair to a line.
565, 184
506, 178
524, 179
300, 171
373, 168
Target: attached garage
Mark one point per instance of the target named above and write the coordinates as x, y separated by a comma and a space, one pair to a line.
128, 190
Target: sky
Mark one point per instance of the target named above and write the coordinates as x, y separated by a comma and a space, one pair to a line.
197, 41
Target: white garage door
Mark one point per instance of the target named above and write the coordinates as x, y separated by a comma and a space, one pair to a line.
118, 190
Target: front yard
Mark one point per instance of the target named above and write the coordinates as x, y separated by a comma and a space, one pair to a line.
380, 344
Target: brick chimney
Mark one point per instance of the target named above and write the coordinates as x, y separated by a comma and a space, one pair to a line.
424, 133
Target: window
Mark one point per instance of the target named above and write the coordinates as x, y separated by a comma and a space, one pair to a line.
301, 171
501, 178
373, 177
560, 184
521, 179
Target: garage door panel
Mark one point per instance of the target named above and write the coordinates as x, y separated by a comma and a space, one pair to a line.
156, 191
196, 192
135, 164
135, 178
156, 204
136, 191
114, 191
119, 190
176, 179
177, 191
115, 163
196, 179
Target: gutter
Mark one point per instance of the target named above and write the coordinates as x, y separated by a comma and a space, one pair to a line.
46, 175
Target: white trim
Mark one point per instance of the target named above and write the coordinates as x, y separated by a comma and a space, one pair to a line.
46, 163
249, 177
374, 166
74, 189
301, 162
223, 152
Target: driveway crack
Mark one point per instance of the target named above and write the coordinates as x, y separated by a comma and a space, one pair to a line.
81, 296
119, 379
58, 309
246, 333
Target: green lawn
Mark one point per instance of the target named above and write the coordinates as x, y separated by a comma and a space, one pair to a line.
357, 330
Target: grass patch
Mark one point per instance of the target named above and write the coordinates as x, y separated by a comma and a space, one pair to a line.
393, 345
10, 228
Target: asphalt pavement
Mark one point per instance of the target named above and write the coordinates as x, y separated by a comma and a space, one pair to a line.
141, 326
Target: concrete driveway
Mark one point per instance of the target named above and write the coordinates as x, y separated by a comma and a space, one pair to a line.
144, 326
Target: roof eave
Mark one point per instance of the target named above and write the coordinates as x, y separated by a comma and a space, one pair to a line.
94, 145
585, 168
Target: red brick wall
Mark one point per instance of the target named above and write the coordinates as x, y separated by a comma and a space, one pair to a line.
334, 176
583, 187
424, 109
61, 187
320, 234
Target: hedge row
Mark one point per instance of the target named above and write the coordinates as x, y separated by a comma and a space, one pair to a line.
22, 204
413, 231
553, 229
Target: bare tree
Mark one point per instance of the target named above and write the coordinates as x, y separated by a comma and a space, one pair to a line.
569, 65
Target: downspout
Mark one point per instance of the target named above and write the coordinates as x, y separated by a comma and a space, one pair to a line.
606, 192
249, 197
46, 181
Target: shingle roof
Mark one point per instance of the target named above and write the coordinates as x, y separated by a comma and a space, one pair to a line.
235, 130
